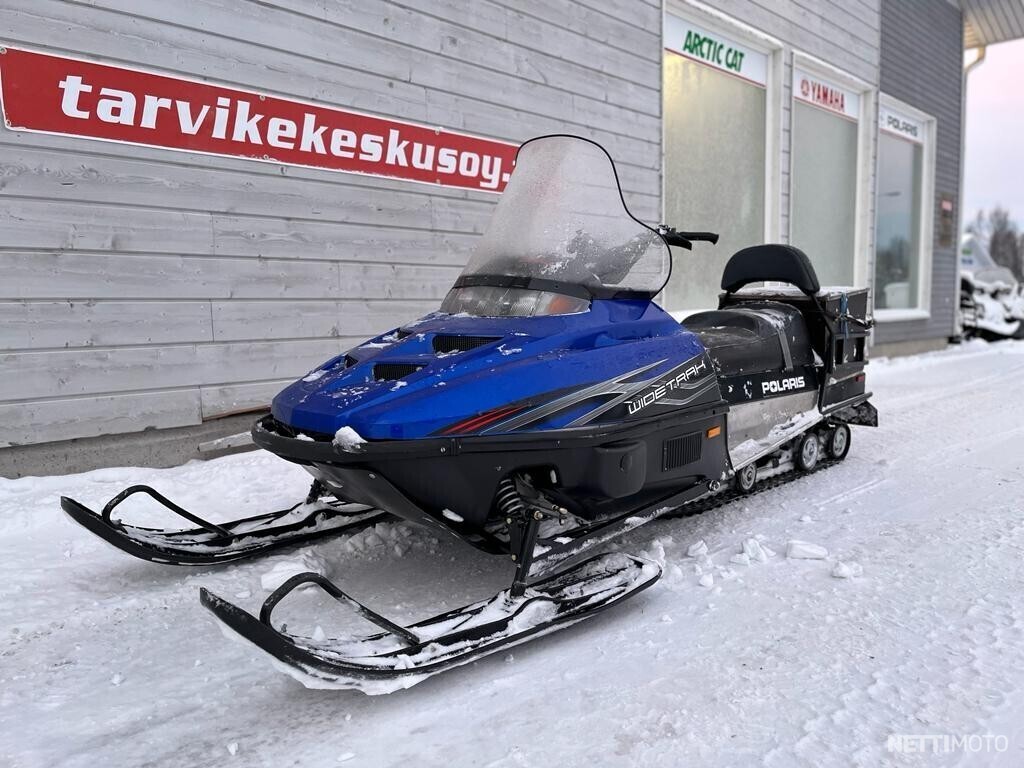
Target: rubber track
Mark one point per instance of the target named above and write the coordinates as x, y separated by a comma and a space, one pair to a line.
720, 499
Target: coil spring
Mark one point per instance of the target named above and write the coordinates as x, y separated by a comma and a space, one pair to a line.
508, 501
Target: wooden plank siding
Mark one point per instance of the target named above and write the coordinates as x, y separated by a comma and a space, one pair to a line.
141, 288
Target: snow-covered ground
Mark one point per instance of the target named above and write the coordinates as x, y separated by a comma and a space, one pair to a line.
109, 661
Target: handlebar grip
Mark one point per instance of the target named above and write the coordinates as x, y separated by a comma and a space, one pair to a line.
685, 239
674, 238
709, 237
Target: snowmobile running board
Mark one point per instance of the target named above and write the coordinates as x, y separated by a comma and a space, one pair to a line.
211, 543
400, 657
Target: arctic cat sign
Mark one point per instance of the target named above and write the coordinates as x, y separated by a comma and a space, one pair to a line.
59, 95
715, 50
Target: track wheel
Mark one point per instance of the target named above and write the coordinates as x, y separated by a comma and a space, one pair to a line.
745, 479
807, 451
838, 442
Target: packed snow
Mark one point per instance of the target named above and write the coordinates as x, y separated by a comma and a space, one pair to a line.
910, 626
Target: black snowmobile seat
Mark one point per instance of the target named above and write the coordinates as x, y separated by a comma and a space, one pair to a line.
770, 263
758, 336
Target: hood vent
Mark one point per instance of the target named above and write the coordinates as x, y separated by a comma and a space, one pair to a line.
446, 344
394, 371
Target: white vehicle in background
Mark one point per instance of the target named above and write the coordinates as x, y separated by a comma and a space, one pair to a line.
991, 299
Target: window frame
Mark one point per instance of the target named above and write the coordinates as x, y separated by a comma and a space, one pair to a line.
926, 233
750, 37
867, 135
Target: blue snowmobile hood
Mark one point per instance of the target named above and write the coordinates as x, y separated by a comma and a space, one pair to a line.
460, 374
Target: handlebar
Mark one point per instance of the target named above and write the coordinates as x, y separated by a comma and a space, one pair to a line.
685, 239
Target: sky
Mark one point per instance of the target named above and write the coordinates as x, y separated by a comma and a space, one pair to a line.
994, 150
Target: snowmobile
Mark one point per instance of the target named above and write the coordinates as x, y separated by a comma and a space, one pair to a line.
547, 407
991, 298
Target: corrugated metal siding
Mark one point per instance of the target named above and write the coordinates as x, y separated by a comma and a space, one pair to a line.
145, 288
922, 44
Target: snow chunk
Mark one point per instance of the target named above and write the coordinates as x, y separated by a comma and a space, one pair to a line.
697, 550
284, 569
754, 551
348, 440
117, 679
843, 570
802, 550
384, 537
346, 756
233, 747
454, 517
740, 559
707, 580
314, 375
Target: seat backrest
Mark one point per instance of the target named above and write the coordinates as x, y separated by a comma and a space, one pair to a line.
772, 262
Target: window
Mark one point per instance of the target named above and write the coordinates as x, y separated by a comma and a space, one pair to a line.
715, 108
825, 163
902, 229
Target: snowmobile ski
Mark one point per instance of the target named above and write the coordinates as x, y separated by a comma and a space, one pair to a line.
211, 543
400, 657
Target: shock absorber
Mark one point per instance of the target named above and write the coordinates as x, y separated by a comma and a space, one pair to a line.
509, 502
522, 531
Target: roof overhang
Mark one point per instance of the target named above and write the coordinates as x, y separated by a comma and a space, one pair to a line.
987, 22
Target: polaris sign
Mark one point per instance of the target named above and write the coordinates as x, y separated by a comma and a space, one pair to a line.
43, 93
779, 386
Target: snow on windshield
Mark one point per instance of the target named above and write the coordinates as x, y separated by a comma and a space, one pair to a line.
562, 218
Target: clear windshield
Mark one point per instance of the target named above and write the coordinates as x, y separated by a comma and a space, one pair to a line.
561, 218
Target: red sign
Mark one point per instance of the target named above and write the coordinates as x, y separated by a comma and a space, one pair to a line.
70, 97
824, 94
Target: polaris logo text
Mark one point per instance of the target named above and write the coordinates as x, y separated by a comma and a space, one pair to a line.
659, 391
59, 95
775, 386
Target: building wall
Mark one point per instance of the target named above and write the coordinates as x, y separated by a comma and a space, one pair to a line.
921, 55
145, 288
